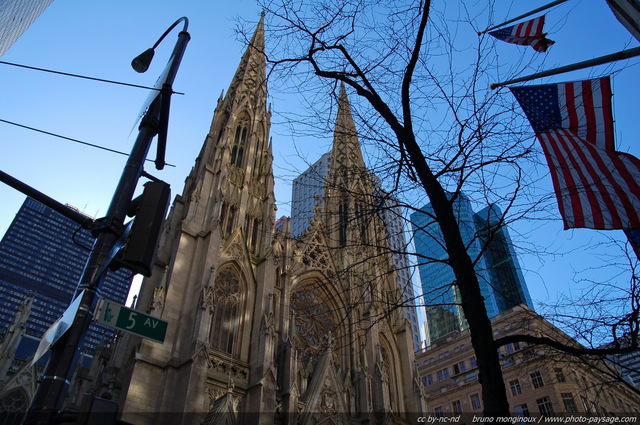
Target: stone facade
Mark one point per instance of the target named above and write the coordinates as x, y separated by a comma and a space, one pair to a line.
265, 328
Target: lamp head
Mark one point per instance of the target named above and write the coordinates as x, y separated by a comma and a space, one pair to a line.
141, 62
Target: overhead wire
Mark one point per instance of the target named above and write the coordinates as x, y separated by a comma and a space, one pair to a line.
102, 80
71, 139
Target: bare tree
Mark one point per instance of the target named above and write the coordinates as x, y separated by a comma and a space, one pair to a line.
435, 127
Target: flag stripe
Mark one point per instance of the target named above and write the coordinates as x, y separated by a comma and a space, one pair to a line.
595, 188
606, 115
619, 174
590, 212
588, 110
589, 114
568, 200
591, 169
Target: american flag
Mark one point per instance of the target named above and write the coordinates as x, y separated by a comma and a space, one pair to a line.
527, 33
596, 187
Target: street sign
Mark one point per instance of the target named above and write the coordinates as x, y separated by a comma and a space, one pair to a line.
129, 320
58, 329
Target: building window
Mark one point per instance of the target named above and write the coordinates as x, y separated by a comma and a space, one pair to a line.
536, 379
456, 407
560, 375
459, 368
439, 411
362, 222
474, 362
515, 387
427, 380
257, 162
231, 218
569, 403
255, 236
443, 374
239, 143
509, 348
475, 401
544, 406
522, 410
224, 321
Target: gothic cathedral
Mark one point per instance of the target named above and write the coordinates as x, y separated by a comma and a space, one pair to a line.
265, 328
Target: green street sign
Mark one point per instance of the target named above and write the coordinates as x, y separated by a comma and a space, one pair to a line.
129, 320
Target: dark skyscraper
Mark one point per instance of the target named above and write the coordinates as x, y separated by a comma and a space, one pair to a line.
500, 258
43, 253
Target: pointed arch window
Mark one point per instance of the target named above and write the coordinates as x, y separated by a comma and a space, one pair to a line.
227, 218
257, 162
225, 325
231, 218
362, 222
239, 144
255, 235
389, 378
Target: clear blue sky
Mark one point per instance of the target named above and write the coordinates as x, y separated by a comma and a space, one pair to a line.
99, 38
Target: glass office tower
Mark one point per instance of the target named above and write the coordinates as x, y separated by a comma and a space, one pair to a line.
501, 281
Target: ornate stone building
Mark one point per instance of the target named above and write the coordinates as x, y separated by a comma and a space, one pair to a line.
539, 379
264, 328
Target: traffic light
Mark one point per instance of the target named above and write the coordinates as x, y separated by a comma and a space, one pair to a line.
149, 211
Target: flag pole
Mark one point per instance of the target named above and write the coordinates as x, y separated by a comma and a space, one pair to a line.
623, 54
540, 9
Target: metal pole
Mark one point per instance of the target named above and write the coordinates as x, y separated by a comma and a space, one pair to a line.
55, 382
74, 215
624, 54
540, 9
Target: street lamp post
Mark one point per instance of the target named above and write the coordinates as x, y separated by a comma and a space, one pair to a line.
65, 352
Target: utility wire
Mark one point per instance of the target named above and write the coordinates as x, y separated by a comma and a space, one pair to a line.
102, 80
72, 140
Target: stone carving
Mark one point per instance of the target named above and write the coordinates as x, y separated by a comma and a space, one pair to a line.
159, 293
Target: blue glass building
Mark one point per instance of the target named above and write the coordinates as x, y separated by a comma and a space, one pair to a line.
501, 281
44, 253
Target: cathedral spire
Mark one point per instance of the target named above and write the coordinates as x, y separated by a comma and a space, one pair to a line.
346, 151
251, 72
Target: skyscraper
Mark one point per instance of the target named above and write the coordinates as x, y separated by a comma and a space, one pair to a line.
505, 276
501, 281
43, 254
15, 17
306, 189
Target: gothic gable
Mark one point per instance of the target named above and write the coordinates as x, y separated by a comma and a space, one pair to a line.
235, 249
311, 252
325, 401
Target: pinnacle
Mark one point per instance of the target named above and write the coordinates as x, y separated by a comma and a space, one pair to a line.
345, 140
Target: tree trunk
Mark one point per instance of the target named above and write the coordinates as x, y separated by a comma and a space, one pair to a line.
494, 393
